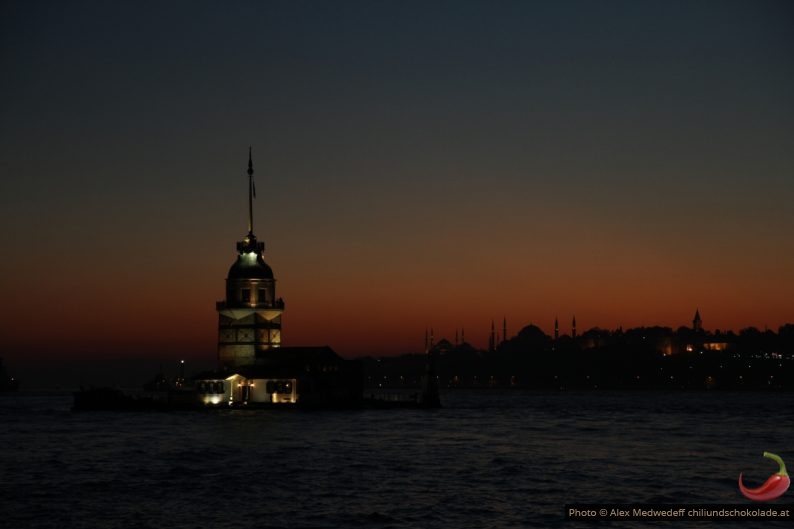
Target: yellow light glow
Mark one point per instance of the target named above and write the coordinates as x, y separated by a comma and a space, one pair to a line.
211, 399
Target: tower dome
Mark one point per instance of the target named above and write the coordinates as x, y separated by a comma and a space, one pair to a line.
250, 264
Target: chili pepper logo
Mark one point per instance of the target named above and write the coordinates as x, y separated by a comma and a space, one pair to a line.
774, 487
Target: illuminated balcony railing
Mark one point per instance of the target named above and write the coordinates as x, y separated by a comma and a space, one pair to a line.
278, 304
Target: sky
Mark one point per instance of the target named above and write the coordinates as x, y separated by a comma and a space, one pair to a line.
418, 164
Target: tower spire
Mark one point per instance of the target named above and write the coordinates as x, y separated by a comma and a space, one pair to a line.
697, 322
251, 193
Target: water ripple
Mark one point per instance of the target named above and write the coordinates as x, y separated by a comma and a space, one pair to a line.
497, 460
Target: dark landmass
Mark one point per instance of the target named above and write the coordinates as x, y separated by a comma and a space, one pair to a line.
7, 382
641, 358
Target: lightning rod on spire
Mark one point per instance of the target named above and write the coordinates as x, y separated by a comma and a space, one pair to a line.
250, 193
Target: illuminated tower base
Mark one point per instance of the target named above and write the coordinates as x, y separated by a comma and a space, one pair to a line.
244, 336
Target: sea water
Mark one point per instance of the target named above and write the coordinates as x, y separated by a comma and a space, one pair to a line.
486, 459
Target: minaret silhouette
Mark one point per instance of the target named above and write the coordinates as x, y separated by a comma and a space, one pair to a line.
504, 329
556, 329
697, 323
573, 328
429, 397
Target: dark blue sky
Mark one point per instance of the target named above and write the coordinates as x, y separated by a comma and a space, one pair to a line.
417, 163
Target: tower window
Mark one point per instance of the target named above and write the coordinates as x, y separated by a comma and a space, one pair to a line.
246, 295
261, 295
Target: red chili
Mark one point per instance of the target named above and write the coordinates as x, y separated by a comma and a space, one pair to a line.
775, 486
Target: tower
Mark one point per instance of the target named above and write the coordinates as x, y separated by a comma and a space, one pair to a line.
573, 328
556, 329
249, 319
504, 328
697, 323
